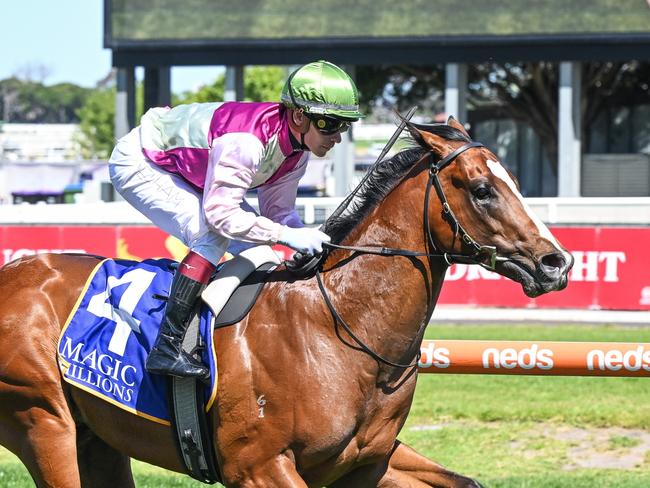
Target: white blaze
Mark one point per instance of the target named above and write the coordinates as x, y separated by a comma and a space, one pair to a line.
500, 172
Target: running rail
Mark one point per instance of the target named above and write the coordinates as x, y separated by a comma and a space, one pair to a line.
535, 358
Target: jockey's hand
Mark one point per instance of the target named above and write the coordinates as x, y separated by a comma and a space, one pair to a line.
304, 239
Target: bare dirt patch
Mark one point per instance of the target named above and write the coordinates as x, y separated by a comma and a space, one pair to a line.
584, 447
605, 448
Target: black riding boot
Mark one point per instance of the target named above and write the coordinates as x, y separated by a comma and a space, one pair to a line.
167, 356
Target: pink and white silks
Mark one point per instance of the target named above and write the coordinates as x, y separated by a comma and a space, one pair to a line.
188, 169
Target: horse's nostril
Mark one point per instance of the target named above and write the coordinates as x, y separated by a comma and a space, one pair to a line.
553, 264
555, 260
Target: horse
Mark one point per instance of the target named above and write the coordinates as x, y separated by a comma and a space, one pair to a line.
331, 356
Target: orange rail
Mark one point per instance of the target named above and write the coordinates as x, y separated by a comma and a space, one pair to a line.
536, 358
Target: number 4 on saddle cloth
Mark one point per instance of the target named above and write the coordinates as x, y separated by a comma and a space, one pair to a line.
111, 329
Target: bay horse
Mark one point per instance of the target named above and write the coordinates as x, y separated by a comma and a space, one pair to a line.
334, 403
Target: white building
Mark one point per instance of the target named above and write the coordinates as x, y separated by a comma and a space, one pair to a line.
39, 142
42, 161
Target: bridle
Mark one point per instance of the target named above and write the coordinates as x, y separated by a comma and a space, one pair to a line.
485, 256
479, 250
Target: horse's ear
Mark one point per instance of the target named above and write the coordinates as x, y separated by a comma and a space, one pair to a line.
452, 122
425, 138
416, 134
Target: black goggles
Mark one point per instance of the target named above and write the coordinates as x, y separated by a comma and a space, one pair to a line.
328, 125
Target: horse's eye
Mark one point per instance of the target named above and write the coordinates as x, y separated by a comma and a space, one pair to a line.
482, 192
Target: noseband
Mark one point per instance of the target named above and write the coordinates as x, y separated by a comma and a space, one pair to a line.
485, 256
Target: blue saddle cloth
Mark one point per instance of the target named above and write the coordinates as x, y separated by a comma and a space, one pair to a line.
111, 330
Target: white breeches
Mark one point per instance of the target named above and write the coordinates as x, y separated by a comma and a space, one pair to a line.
164, 198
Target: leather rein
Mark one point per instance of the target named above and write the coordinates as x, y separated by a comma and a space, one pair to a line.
485, 256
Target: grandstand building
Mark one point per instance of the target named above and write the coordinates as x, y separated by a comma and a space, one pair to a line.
158, 35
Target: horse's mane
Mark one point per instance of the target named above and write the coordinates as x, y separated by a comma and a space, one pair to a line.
384, 177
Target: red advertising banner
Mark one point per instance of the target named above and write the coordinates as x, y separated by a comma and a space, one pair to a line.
124, 242
610, 272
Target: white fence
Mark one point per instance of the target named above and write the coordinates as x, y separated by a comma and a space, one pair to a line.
556, 211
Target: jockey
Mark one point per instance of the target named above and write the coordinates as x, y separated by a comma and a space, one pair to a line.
188, 169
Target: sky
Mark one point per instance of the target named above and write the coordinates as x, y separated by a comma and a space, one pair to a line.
56, 41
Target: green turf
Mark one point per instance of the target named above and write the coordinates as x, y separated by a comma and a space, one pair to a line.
579, 401
509, 431
496, 428
14, 475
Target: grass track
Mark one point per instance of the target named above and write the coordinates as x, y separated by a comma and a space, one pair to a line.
509, 432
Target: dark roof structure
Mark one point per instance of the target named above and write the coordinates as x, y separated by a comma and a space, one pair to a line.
249, 32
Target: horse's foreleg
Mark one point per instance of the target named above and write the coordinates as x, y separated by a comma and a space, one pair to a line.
99, 464
48, 451
279, 472
405, 468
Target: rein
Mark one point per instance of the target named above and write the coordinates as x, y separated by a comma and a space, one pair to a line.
359, 342
315, 264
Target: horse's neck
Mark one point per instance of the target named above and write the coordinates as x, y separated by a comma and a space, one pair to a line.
389, 299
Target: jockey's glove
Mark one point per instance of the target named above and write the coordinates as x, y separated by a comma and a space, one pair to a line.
304, 239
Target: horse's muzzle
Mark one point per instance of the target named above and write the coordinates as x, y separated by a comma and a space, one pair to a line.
550, 273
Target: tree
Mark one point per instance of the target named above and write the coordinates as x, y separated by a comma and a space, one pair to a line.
526, 92
261, 84
9, 94
97, 121
63, 100
610, 85
207, 93
33, 102
96, 124
387, 88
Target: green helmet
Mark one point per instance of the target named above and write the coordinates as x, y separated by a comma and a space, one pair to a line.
322, 88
